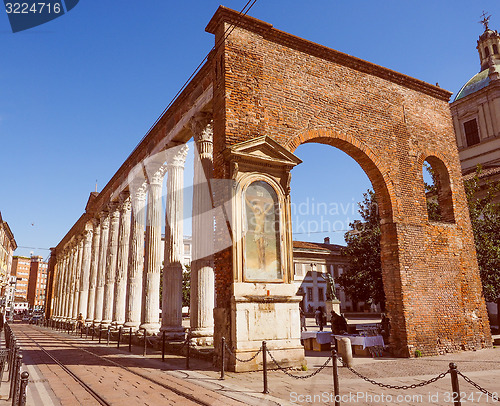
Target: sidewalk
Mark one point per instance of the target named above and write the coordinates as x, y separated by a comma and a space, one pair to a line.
481, 366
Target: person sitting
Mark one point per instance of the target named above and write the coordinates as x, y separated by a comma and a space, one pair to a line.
339, 323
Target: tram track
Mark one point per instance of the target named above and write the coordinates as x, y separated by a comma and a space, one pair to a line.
100, 399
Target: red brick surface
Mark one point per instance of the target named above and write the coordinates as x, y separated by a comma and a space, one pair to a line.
267, 82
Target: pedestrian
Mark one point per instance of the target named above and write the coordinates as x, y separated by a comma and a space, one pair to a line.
320, 318
339, 323
303, 326
79, 321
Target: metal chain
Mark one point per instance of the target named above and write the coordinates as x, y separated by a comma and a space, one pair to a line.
403, 387
300, 376
242, 360
468, 380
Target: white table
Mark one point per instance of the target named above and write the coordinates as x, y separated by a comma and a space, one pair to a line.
364, 341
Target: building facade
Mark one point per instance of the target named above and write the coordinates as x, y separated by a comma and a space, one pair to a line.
7, 247
476, 111
20, 277
37, 285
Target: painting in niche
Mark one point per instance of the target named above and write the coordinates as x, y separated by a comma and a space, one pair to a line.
262, 233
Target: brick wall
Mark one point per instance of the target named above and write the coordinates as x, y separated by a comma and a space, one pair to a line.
267, 82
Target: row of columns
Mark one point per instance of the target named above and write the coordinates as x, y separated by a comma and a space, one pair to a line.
110, 274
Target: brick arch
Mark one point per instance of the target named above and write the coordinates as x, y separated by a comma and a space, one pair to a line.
374, 168
445, 185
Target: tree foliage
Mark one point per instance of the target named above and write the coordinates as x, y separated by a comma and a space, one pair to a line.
362, 280
186, 285
485, 220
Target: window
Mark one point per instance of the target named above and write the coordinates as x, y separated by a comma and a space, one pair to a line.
495, 49
310, 295
471, 132
486, 51
321, 295
187, 249
299, 270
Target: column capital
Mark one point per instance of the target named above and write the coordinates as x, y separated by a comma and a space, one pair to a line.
104, 219
158, 175
201, 126
125, 202
176, 156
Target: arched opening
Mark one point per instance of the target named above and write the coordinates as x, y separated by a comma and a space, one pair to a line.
486, 51
438, 191
331, 214
495, 49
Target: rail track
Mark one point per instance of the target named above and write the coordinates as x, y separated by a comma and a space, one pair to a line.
168, 391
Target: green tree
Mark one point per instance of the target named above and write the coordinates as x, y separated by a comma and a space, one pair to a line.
485, 220
362, 280
186, 285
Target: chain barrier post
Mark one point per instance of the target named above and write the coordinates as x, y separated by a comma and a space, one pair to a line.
336, 389
130, 340
93, 331
86, 331
15, 378
223, 358
22, 392
163, 346
119, 337
81, 331
100, 332
144, 351
454, 384
188, 350
264, 366
107, 337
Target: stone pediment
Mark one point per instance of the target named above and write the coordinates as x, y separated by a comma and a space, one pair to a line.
92, 197
261, 151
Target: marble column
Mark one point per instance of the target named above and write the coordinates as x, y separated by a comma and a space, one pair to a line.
58, 290
85, 271
101, 269
202, 271
122, 260
77, 277
68, 313
62, 288
174, 245
136, 255
94, 264
110, 274
150, 319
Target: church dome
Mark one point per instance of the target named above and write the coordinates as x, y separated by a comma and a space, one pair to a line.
477, 82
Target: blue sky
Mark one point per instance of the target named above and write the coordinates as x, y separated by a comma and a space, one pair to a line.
78, 93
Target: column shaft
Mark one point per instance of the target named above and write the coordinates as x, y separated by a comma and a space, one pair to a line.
122, 261
136, 257
94, 264
77, 278
85, 273
99, 288
152, 262
174, 245
110, 274
202, 273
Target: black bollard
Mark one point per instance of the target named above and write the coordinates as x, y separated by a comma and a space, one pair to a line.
144, 351
454, 384
264, 366
22, 392
93, 330
15, 377
188, 351
163, 346
86, 331
107, 338
336, 389
223, 357
119, 337
100, 332
130, 340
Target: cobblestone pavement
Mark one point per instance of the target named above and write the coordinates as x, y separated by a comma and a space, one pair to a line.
202, 380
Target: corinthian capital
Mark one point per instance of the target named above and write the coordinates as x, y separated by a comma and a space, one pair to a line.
201, 126
176, 156
125, 202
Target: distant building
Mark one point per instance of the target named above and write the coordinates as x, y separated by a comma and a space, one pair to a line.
21, 270
37, 285
186, 251
310, 260
476, 112
7, 247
